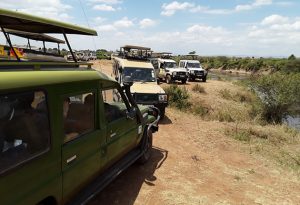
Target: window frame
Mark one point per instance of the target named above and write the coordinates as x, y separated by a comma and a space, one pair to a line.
49, 146
96, 122
123, 96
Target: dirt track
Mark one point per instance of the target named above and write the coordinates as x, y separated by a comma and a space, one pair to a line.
193, 162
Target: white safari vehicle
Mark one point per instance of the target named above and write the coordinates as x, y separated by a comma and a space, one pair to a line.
167, 69
194, 69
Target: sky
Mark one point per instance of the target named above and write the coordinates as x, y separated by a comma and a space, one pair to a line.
209, 27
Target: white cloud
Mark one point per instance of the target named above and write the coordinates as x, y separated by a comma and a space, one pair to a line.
99, 20
274, 19
103, 7
253, 5
171, 8
144, 23
123, 23
106, 28
106, 1
54, 9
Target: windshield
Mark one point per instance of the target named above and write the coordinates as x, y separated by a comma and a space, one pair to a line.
138, 75
170, 65
193, 65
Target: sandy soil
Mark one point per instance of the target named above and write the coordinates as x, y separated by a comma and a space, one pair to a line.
193, 162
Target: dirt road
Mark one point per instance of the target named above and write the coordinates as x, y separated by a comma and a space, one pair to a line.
193, 162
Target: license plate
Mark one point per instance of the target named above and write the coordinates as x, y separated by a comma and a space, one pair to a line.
182, 76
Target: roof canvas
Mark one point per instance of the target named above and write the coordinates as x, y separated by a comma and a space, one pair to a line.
128, 47
29, 23
34, 36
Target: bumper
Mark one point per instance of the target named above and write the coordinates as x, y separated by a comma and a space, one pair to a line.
198, 75
179, 77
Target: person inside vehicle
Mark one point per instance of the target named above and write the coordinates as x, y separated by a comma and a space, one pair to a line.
27, 126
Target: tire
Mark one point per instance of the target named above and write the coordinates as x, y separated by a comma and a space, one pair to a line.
192, 79
168, 79
162, 112
204, 79
183, 81
148, 148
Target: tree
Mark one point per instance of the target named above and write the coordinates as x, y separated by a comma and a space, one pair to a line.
192, 52
292, 57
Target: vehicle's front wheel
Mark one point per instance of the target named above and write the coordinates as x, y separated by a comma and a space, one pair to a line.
204, 79
168, 79
147, 148
183, 81
191, 79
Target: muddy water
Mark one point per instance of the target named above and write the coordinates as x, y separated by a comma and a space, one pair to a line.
292, 121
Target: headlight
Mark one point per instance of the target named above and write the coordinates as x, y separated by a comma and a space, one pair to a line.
163, 98
192, 71
174, 73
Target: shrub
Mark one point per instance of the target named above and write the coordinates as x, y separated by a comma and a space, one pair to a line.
200, 110
224, 116
178, 97
278, 93
198, 88
225, 93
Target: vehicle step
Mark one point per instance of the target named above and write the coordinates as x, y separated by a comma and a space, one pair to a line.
105, 178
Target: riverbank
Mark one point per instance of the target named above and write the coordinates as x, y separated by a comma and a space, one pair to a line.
231, 105
198, 159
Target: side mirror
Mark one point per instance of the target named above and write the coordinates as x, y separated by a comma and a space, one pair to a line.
131, 114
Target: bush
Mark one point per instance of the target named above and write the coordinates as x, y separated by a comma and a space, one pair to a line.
178, 97
225, 93
200, 110
278, 94
198, 88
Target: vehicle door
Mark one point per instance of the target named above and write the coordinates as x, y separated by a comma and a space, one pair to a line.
122, 131
82, 139
29, 155
162, 70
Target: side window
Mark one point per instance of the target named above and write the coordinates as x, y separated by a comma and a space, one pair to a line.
24, 127
114, 106
78, 115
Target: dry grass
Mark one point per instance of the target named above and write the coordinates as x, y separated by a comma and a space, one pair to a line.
277, 142
232, 104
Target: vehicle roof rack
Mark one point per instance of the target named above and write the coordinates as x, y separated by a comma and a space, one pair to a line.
34, 36
162, 54
132, 52
132, 47
28, 23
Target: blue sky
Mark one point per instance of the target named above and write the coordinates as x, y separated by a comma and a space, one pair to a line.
209, 27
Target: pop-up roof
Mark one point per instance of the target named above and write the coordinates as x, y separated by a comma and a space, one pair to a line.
28, 23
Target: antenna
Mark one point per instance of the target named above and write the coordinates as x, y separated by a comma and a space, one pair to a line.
87, 21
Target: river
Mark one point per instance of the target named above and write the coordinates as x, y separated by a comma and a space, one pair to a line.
292, 121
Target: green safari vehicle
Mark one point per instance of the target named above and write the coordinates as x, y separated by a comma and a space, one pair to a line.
66, 130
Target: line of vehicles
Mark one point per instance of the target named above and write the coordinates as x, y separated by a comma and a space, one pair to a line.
67, 130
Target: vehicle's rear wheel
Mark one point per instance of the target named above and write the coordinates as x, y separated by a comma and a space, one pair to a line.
147, 148
168, 79
183, 81
162, 112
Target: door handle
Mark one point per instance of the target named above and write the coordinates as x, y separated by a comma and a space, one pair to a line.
113, 134
71, 159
